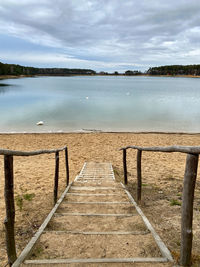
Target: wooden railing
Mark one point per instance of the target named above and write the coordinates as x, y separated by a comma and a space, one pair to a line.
188, 190
9, 191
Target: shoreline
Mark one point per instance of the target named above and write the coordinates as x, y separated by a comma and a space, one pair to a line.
5, 77
99, 132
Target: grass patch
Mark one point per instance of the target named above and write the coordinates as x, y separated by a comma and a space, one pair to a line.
29, 197
37, 251
20, 199
175, 202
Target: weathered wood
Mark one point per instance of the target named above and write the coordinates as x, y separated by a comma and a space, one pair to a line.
104, 260
56, 177
93, 188
187, 208
125, 166
112, 172
169, 149
67, 166
30, 153
95, 194
96, 214
139, 175
10, 209
98, 233
97, 179
92, 203
27, 250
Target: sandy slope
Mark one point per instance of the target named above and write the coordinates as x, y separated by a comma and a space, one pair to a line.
161, 173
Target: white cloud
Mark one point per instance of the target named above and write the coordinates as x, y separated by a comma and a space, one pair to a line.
62, 60
139, 33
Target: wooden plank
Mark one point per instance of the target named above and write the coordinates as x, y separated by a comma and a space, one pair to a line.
10, 209
112, 171
108, 179
56, 177
76, 178
125, 167
100, 233
91, 188
90, 194
95, 214
104, 203
104, 260
67, 166
139, 175
30, 153
169, 149
97, 183
83, 168
27, 250
163, 249
187, 208
86, 173
96, 174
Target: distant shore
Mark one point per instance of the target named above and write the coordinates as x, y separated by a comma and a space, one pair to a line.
174, 76
4, 77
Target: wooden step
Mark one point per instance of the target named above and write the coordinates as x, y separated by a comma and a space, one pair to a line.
97, 198
106, 262
96, 223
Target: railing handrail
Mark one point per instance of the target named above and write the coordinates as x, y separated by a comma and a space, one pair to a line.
188, 190
9, 190
29, 153
167, 149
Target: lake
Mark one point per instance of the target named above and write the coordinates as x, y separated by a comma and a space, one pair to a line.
107, 103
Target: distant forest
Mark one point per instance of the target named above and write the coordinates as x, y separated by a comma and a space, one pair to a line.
175, 70
12, 69
172, 70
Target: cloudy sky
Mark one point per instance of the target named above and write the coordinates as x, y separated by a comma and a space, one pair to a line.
100, 34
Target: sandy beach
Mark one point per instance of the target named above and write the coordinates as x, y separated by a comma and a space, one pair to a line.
162, 179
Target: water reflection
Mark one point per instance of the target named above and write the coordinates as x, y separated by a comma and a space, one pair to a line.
114, 103
4, 88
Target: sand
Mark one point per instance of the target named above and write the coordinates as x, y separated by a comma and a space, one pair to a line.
162, 179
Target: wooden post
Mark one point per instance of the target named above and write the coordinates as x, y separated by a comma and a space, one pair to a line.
56, 176
67, 166
139, 175
187, 208
125, 167
10, 209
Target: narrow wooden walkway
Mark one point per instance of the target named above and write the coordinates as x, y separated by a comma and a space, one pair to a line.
96, 221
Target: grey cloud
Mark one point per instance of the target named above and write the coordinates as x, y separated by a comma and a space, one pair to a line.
108, 30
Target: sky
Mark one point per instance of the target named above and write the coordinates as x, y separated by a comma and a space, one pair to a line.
103, 35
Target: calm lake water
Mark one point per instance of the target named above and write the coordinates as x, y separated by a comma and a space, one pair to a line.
101, 103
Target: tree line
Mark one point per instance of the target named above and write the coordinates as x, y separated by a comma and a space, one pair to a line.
175, 70
12, 69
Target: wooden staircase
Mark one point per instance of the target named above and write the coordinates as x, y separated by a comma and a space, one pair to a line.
95, 222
